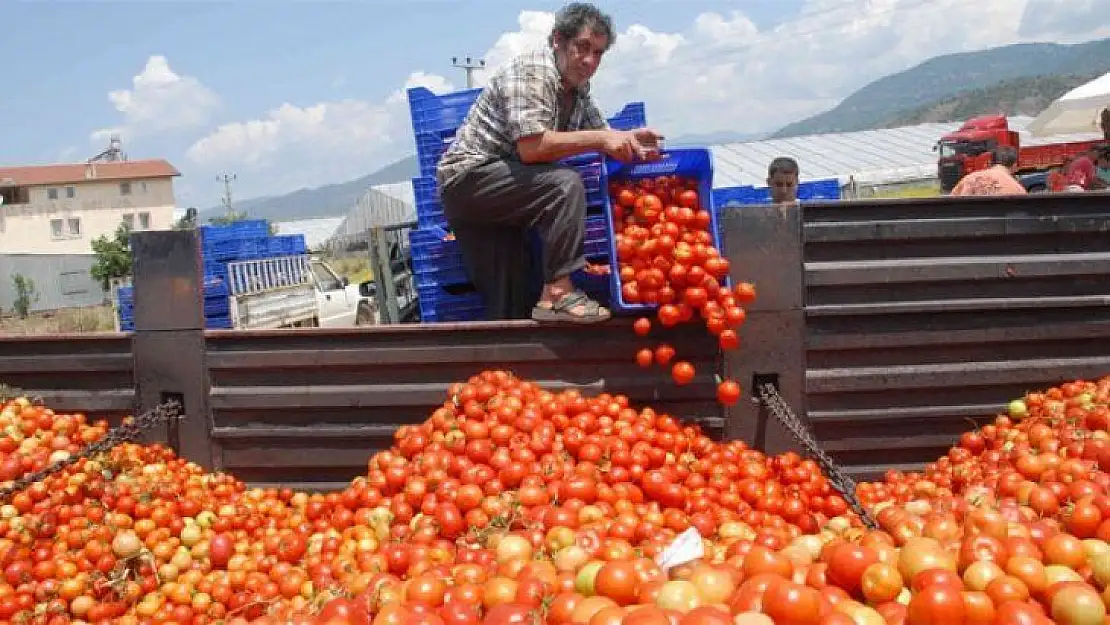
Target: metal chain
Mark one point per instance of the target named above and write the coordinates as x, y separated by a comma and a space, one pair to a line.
127, 432
846, 486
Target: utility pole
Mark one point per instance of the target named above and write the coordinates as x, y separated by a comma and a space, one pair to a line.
227, 179
469, 66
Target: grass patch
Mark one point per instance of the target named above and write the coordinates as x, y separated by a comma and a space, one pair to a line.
64, 321
923, 190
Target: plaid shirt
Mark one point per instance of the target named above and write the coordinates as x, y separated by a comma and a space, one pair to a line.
523, 98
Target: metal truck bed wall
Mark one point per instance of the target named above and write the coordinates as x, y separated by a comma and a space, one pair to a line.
889, 324
894, 326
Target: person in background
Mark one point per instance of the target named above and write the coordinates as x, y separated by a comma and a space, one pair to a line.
1102, 166
501, 177
782, 180
1104, 123
1082, 174
998, 179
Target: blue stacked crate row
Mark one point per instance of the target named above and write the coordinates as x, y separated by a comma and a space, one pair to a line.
726, 198
440, 275
216, 306
219, 246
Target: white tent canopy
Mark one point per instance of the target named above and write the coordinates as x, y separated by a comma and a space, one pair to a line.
1077, 111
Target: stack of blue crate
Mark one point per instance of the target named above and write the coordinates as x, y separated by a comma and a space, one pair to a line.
217, 313
445, 292
219, 246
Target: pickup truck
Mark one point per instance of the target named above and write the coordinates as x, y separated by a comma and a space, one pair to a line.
280, 292
293, 291
971, 147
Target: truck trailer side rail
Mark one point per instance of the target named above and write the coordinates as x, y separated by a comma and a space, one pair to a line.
886, 325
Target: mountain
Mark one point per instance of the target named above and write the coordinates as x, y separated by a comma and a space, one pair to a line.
335, 200
1019, 96
946, 76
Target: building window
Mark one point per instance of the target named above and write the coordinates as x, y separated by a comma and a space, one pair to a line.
56, 231
15, 195
71, 192
129, 221
52, 193
74, 226
144, 221
125, 188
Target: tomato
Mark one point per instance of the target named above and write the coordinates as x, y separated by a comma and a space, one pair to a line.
682, 372
728, 392
938, 604
344, 609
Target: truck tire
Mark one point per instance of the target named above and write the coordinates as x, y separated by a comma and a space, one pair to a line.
1037, 188
364, 316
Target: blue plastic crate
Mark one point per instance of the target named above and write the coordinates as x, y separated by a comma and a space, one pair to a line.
246, 229
461, 313
728, 197
696, 163
814, 190
430, 243
218, 323
596, 286
446, 270
456, 303
631, 117
126, 326
236, 249
430, 147
216, 307
429, 210
285, 245
435, 113
597, 236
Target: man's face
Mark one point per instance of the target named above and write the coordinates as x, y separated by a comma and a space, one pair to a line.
579, 58
783, 186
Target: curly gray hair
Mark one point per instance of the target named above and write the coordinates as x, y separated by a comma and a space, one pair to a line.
576, 16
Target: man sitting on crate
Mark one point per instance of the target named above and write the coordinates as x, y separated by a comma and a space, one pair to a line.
500, 178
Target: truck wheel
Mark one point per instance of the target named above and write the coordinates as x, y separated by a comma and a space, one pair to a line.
364, 316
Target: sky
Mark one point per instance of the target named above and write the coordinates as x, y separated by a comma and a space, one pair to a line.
287, 95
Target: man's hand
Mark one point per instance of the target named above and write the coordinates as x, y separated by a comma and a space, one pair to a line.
633, 145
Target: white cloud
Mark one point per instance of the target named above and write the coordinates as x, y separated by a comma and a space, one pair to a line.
294, 147
714, 73
160, 100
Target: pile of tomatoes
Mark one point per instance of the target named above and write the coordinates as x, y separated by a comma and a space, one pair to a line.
512, 504
667, 257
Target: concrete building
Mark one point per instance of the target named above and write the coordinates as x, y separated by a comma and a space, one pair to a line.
50, 215
60, 209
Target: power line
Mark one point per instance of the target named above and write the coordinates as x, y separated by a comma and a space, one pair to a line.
226, 200
469, 66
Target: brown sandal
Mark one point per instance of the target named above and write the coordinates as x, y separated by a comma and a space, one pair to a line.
563, 310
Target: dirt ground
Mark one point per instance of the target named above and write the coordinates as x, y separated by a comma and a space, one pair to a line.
67, 321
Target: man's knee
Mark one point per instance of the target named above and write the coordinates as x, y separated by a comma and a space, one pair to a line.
567, 182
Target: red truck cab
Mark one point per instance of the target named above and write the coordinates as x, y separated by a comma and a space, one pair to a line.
971, 148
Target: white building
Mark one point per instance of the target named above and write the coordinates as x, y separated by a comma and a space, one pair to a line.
50, 215
60, 209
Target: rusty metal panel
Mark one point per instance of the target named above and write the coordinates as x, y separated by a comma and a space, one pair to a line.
924, 317
89, 373
309, 407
